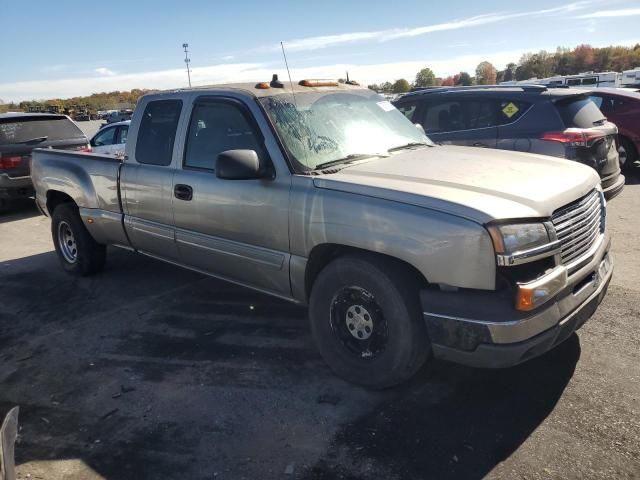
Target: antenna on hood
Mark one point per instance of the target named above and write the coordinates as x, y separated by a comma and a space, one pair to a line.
289, 73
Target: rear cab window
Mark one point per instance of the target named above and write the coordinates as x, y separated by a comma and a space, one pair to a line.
579, 112
15, 130
157, 132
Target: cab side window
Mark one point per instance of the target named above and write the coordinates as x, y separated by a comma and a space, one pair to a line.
216, 127
607, 104
157, 132
106, 137
122, 134
408, 110
455, 115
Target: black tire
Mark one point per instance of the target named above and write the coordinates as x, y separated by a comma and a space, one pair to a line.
631, 154
79, 254
397, 345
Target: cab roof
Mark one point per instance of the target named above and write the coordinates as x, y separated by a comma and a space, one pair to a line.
252, 88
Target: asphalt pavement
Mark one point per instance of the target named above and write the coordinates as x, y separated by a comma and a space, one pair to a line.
147, 371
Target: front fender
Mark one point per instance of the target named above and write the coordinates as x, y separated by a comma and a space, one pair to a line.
446, 249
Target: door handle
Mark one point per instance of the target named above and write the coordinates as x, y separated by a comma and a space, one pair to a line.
183, 192
480, 144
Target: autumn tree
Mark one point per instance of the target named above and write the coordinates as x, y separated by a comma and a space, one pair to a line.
462, 78
401, 86
509, 73
425, 78
448, 82
486, 73
583, 58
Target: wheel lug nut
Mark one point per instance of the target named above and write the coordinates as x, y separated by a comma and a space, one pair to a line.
367, 329
351, 326
359, 334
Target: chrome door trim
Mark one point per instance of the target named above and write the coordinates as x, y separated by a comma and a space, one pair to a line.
221, 277
259, 255
150, 228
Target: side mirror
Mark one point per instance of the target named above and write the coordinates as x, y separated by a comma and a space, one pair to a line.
420, 127
240, 165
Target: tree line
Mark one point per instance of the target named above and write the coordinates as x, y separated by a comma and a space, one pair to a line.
91, 103
542, 64
564, 61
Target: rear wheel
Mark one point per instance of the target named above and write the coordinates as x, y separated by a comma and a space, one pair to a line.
366, 322
78, 252
628, 154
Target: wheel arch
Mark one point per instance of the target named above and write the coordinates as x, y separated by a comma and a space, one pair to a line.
56, 198
323, 254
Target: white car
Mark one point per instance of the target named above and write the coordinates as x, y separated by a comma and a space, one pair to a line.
111, 139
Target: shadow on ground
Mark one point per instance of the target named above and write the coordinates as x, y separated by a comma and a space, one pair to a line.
18, 210
455, 423
149, 371
632, 175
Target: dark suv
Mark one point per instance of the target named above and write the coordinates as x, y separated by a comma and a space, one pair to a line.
20, 133
561, 122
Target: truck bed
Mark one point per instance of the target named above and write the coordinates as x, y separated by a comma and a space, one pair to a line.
91, 180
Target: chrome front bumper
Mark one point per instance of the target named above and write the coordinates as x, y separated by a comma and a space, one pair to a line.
483, 328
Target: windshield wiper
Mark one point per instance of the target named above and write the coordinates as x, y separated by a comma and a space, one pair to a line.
348, 159
408, 145
34, 140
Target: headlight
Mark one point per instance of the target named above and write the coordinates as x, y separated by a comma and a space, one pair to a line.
522, 242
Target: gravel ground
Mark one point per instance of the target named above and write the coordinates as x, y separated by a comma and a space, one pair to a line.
151, 372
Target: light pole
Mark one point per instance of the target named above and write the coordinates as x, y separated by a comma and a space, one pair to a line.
186, 61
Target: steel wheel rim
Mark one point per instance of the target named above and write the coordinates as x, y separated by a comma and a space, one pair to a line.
67, 242
358, 323
622, 154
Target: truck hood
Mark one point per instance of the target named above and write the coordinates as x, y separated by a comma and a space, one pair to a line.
476, 183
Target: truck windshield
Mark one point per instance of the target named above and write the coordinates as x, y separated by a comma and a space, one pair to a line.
328, 128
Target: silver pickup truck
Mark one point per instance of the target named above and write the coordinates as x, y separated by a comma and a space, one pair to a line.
326, 195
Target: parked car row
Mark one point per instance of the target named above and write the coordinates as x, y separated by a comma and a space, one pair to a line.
20, 133
559, 122
622, 107
324, 194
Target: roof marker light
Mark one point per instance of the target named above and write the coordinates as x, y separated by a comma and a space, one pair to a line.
318, 83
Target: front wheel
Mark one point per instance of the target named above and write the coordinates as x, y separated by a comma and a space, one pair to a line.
366, 321
78, 252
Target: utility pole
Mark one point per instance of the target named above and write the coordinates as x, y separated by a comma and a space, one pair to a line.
186, 61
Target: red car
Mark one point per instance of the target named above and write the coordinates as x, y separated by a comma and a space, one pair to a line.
622, 107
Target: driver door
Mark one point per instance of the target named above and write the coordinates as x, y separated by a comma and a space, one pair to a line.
235, 229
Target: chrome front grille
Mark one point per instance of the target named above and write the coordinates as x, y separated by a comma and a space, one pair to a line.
578, 225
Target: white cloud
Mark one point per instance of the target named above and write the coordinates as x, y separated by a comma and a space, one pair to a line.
105, 72
626, 12
244, 72
325, 41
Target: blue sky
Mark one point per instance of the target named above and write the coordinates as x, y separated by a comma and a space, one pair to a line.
65, 47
